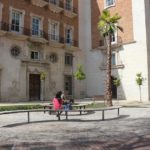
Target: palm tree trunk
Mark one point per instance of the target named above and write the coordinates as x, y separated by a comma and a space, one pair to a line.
108, 90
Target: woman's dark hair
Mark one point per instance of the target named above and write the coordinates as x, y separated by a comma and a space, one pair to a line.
58, 95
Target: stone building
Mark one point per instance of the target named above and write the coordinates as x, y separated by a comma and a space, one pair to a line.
130, 49
39, 49
46, 39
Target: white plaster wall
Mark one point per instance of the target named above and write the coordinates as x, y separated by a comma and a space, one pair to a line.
147, 12
10, 75
85, 36
96, 77
134, 56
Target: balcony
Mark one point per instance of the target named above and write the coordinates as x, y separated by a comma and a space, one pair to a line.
71, 44
21, 33
70, 11
55, 41
40, 3
55, 6
116, 44
38, 36
12, 31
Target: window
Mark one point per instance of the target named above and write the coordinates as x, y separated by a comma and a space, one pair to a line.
68, 5
34, 55
36, 22
16, 18
114, 38
68, 59
109, 3
55, 2
54, 31
113, 59
68, 35
68, 84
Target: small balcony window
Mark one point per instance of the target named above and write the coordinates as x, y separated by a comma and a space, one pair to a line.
113, 59
35, 55
16, 20
55, 2
68, 5
36, 23
54, 31
68, 36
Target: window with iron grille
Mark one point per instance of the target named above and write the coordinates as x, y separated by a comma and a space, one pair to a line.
35, 55
68, 5
54, 31
68, 36
16, 18
55, 2
36, 26
68, 59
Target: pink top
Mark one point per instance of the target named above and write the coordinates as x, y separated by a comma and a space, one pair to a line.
57, 104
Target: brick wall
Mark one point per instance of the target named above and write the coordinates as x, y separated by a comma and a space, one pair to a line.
124, 8
44, 12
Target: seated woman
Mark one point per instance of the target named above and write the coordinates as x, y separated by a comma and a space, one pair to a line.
57, 101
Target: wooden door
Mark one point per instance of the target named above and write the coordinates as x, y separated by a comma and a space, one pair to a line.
113, 88
68, 84
34, 86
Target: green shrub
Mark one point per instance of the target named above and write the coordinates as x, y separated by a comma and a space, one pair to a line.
19, 107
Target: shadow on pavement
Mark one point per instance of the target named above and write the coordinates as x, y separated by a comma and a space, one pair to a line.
64, 120
137, 143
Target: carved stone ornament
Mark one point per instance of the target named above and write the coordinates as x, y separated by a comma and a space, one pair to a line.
53, 57
15, 51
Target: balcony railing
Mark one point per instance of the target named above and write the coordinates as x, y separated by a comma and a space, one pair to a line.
36, 33
56, 3
62, 40
117, 43
21, 30
69, 7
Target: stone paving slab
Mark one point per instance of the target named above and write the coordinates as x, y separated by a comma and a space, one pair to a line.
131, 131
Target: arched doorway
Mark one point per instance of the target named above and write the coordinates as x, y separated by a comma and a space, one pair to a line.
113, 88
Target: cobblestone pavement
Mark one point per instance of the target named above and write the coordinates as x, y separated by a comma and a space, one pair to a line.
131, 131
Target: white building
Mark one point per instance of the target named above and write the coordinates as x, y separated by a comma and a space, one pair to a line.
130, 49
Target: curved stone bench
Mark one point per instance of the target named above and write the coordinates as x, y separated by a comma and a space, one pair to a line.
62, 110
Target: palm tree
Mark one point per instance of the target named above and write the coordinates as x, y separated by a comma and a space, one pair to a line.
108, 26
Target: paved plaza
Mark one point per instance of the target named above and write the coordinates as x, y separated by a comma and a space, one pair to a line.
81, 132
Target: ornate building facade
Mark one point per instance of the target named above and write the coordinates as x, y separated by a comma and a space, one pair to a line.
39, 48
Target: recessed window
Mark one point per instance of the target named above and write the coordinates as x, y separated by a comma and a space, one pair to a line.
68, 5
16, 20
36, 23
68, 36
15, 51
68, 59
114, 38
34, 55
113, 59
54, 31
109, 3
55, 2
